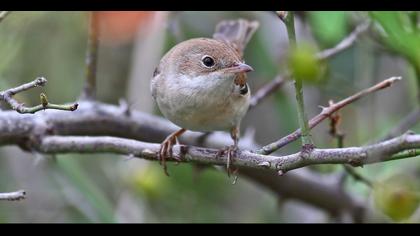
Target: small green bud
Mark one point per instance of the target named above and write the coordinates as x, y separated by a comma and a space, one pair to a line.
44, 100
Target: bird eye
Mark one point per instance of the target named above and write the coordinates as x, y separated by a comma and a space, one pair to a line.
208, 61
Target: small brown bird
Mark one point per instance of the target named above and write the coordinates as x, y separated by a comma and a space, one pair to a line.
200, 84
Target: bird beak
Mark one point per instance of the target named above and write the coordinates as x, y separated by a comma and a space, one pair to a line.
239, 68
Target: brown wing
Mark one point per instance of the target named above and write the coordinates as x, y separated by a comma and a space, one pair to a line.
236, 33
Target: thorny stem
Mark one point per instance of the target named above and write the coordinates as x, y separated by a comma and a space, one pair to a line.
303, 120
325, 113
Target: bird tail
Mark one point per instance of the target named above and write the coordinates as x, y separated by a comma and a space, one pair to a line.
236, 32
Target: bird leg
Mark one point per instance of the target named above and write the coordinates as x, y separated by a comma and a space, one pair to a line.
231, 150
166, 148
234, 134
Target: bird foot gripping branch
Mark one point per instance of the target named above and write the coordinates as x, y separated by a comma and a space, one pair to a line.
166, 149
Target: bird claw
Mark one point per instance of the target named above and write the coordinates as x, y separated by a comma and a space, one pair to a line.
231, 154
166, 151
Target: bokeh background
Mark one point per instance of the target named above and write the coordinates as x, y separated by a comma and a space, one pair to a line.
113, 188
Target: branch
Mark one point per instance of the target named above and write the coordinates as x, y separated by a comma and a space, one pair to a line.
7, 96
345, 43
325, 113
3, 15
89, 91
266, 90
13, 196
94, 118
356, 156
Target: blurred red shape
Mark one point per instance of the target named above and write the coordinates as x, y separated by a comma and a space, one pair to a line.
118, 27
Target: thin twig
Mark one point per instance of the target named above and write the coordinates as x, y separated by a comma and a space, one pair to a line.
325, 113
357, 176
7, 96
89, 91
3, 15
405, 124
38, 82
406, 154
345, 43
307, 143
13, 196
22, 109
266, 90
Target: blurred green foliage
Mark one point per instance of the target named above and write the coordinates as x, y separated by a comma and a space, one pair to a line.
401, 34
329, 27
71, 168
398, 196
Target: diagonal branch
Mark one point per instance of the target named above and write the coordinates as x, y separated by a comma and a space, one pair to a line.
325, 113
345, 43
13, 196
266, 90
7, 96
